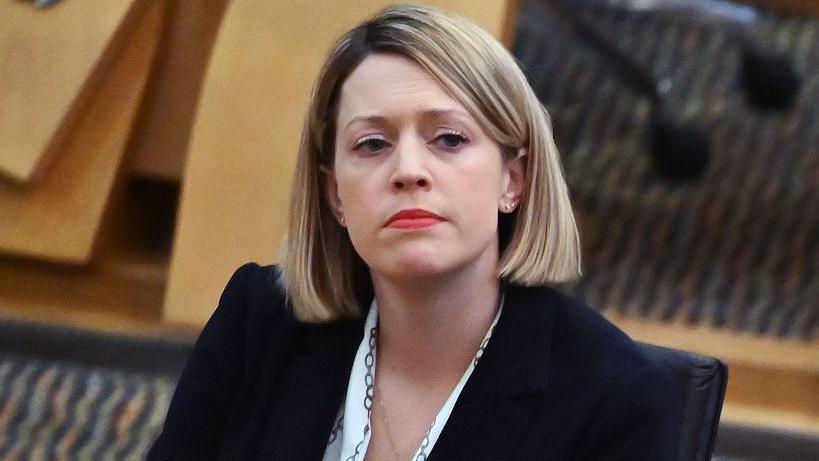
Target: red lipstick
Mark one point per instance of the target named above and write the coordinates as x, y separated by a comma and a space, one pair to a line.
416, 218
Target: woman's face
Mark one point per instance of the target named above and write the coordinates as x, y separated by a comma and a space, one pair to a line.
415, 179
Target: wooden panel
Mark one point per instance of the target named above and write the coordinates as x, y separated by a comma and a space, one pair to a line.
160, 141
47, 59
59, 219
731, 346
90, 297
770, 418
509, 26
243, 147
771, 383
790, 397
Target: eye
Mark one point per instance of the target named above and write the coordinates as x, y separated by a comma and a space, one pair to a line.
451, 140
371, 144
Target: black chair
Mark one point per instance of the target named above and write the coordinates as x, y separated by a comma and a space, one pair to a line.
703, 380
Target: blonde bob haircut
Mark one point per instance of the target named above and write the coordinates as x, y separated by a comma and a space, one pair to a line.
324, 277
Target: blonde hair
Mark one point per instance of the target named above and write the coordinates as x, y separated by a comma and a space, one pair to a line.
323, 275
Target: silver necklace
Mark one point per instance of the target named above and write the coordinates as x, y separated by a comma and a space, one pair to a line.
422, 452
369, 379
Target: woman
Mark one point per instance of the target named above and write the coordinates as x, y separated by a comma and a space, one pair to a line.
410, 318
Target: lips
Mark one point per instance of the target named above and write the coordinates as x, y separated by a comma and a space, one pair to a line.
417, 218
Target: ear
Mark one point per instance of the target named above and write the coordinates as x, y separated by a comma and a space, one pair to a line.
331, 189
515, 181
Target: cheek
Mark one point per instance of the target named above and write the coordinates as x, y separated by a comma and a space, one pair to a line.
351, 190
484, 187
476, 203
357, 194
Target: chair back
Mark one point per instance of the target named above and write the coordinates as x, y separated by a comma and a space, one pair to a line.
702, 381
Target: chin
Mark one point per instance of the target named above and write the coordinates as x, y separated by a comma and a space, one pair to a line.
418, 266
414, 265
422, 261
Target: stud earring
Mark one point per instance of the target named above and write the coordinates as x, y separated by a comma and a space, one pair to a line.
341, 219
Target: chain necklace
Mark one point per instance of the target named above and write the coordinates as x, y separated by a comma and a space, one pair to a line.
369, 379
422, 452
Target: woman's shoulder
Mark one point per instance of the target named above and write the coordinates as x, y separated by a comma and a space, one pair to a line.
609, 384
259, 290
584, 342
254, 306
625, 391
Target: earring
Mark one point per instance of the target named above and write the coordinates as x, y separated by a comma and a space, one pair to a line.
341, 219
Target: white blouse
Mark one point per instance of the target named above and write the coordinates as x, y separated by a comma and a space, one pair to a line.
351, 432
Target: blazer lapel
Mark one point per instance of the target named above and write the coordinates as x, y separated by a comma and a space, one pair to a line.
501, 398
312, 391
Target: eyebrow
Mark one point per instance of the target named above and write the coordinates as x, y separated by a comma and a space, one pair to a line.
426, 114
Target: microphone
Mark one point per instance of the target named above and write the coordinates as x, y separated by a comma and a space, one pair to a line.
707, 11
679, 151
768, 79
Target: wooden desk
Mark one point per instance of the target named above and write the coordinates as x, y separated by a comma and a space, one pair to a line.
49, 59
159, 143
59, 217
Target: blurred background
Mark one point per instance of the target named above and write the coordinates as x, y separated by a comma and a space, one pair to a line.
146, 150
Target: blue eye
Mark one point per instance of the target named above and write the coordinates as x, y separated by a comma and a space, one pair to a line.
371, 145
451, 141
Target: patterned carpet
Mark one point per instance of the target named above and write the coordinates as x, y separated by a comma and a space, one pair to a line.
738, 249
55, 411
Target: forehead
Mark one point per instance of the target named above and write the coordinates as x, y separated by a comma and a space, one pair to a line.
392, 85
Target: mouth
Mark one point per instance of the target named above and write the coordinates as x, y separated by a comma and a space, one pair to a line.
416, 218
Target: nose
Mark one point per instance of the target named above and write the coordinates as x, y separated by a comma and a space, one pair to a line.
410, 167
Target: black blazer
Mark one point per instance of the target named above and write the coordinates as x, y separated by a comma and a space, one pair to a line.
556, 382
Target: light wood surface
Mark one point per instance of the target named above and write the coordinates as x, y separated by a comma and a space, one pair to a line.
790, 398
159, 145
58, 219
243, 147
89, 297
770, 418
771, 383
48, 59
730, 346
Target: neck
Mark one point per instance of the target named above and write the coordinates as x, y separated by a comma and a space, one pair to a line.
430, 328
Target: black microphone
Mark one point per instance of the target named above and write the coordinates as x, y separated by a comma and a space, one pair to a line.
679, 151
768, 79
